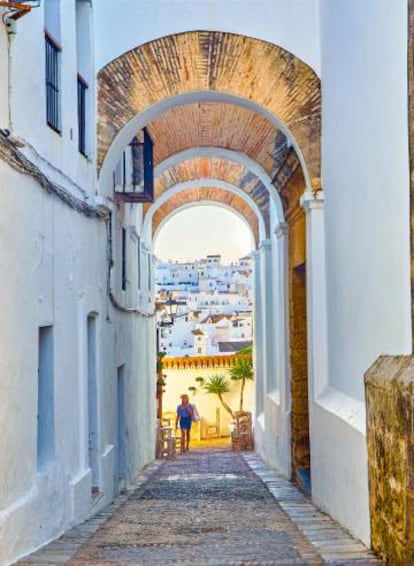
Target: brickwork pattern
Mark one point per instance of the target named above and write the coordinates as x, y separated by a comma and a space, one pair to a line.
220, 169
212, 194
214, 124
212, 61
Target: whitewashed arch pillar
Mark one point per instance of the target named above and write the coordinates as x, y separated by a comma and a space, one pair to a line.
317, 315
281, 293
269, 338
262, 324
258, 333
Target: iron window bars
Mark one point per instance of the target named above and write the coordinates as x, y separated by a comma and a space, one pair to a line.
53, 50
82, 88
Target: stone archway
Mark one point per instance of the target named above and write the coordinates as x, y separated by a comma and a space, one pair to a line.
179, 79
203, 168
194, 193
205, 61
194, 197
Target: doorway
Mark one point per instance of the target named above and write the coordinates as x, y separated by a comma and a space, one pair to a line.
121, 448
301, 469
93, 443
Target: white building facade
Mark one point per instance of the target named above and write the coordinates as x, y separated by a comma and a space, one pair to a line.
214, 312
77, 308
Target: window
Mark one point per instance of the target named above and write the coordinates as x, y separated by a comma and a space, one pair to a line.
198, 350
85, 73
110, 240
52, 83
82, 87
93, 441
120, 459
139, 262
45, 399
123, 261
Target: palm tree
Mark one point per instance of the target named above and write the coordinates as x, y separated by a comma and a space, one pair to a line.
217, 384
248, 350
242, 371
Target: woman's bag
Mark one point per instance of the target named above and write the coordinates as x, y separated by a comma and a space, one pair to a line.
195, 417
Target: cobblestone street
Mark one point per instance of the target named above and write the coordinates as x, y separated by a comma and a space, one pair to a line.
207, 506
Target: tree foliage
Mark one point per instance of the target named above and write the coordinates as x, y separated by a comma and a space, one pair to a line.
242, 371
217, 384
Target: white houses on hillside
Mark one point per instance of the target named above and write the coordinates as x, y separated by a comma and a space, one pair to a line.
215, 307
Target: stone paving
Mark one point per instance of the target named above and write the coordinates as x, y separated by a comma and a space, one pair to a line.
207, 507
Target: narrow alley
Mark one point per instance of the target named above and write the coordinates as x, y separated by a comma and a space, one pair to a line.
284, 129
207, 506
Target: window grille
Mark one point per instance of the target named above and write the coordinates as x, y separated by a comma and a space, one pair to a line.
123, 265
82, 87
52, 50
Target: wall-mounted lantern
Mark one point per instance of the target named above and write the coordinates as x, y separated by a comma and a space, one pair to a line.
134, 175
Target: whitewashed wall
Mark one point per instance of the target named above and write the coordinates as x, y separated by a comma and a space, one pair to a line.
292, 24
54, 273
27, 101
365, 178
178, 382
53, 260
53, 264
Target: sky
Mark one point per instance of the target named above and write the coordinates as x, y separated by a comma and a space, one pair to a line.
201, 230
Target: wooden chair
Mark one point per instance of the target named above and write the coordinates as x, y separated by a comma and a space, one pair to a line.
214, 429
242, 434
167, 442
170, 418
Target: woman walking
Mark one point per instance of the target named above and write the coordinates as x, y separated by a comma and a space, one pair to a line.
185, 413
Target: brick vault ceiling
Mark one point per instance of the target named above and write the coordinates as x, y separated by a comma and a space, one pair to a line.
216, 169
196, 62
213, 124
212, 194
233, 68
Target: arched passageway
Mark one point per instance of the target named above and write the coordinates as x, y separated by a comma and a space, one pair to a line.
197, 62
233, 120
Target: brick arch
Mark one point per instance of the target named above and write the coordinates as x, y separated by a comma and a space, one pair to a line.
205, 195
218, 169
205, 61
205, 190
222, 125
